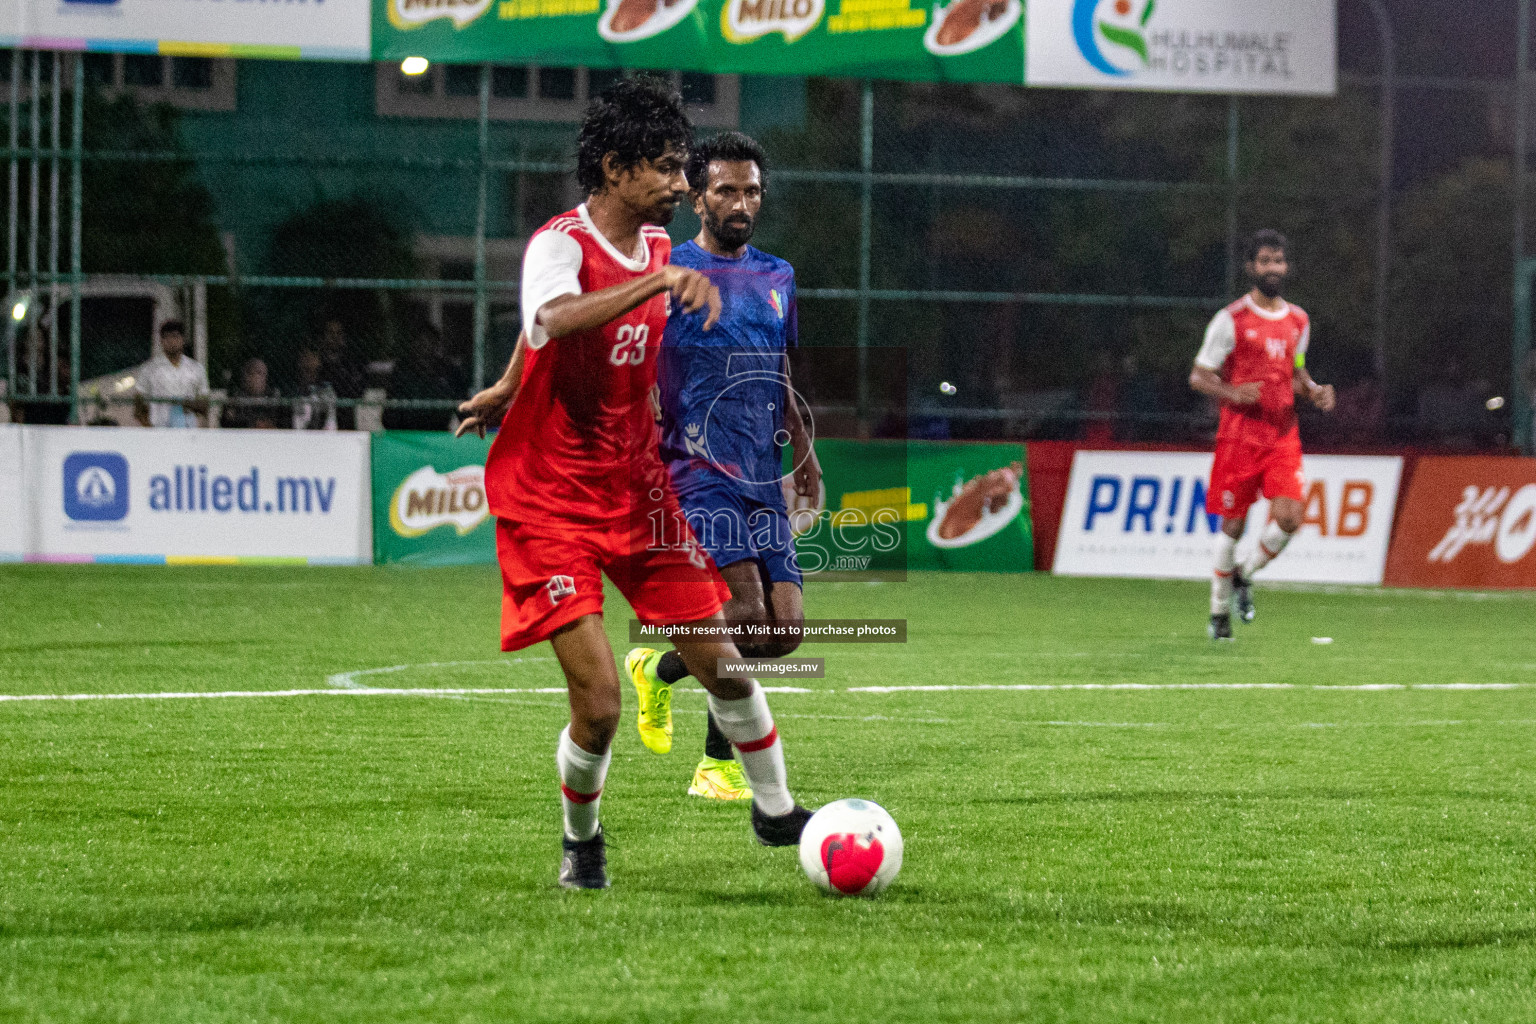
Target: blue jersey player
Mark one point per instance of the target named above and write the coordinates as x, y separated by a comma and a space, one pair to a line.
727, 413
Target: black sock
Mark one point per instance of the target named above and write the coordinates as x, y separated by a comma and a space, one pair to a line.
671, 668
715, 744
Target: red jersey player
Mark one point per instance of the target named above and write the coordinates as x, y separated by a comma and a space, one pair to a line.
575, 476
1254, 363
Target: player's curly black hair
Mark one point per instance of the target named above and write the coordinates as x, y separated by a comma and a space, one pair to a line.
728, 146
1265, 238
637, 118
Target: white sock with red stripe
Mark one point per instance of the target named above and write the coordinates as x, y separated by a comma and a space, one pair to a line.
1221, 582
1271, 542
581, 784
748, 724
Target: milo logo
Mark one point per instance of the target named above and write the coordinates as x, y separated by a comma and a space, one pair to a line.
428, 499
408, 14
742, 21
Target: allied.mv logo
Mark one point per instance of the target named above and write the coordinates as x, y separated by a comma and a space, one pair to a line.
95, 486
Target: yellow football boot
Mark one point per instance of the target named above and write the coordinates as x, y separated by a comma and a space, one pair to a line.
720, 780
655, 721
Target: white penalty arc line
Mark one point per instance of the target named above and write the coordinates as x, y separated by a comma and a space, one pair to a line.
348, 680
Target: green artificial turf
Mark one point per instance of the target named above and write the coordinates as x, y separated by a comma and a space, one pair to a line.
1198, 854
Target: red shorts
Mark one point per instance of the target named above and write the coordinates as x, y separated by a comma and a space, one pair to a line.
552, 577
1242, 470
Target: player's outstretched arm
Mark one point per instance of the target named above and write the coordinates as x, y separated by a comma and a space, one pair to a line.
571, 314
489, 407
1321, 395
1208, 382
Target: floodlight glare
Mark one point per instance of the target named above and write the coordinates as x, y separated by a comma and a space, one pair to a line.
414, 66
19, 311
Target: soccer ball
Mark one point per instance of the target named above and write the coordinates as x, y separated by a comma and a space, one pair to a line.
851, 848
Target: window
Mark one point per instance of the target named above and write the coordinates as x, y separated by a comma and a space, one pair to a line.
99, 69
193, 83
532, 93
192, 72
509, 83
599, 79
414, 85
557, 83
461, 80
144, 69
697, 88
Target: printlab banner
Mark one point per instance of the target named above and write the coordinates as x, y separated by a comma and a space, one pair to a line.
1467, 522
429, 505
893, 505
12, 504
1142, 514
1224, 46
158, 496
333, 29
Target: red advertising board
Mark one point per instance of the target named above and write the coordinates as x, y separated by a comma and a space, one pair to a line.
1466, 522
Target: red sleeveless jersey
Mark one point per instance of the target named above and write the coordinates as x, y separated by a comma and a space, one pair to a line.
579, 445
1244, 344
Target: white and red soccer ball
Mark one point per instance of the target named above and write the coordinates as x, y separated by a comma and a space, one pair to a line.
851, 848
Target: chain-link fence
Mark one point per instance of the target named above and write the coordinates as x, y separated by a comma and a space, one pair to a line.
341, 243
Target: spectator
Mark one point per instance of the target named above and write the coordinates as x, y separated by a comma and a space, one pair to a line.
339, 367
429, 370
39, 411
251, 406
172, 389
316, 407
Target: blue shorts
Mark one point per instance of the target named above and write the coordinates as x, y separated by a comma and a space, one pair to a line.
735, 527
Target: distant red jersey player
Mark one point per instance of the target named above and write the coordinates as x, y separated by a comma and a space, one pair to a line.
575, 477
1253, 362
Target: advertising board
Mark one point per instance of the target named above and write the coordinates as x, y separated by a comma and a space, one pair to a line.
182, 496
1224, 46
1467, 522
1142, 514
429, 505
12, 502
327, 29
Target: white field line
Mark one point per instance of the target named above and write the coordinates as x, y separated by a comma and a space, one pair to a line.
356, 691
467, 691
1182, 686
346, 683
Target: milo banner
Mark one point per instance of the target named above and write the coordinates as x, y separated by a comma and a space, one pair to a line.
429, 504
923, 505
966, 40
1249, 46
886, 506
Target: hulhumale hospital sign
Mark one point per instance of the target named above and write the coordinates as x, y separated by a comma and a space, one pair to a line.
1228, 46
1247, 46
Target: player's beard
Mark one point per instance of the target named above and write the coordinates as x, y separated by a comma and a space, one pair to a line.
733, 233
1270, 285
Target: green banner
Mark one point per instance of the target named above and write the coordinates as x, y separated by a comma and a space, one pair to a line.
429, 505
965, 41
889, 506
920, 505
